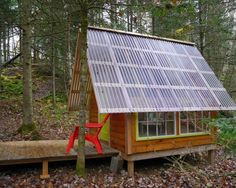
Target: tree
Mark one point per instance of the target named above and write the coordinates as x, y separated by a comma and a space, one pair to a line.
80, 165
26, 60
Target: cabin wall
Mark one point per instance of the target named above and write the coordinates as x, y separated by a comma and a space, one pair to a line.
141, 146
93, 109
117, 131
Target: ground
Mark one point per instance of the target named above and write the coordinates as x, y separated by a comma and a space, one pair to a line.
57, 123
192, 172
51, 122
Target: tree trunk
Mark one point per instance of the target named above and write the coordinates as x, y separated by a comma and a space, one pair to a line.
8, 41
201, 32
69, 55
83, 80
4, 45
34, 48
1, 60
26, 58
1, 85
53, 67
113, 16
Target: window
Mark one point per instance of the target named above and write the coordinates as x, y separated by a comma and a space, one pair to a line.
153, 124
194, 122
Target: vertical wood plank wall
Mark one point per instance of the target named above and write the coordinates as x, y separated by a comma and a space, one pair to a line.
117, 131
166, 143
73, 101
93, 109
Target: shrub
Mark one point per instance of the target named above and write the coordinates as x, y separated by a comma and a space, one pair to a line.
226, 133
11, 86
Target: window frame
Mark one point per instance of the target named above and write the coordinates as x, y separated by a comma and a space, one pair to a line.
194, 133
177, 129
139, 138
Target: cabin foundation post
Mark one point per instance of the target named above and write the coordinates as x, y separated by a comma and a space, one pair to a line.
130, 165
211, 156
45, 174
116, 164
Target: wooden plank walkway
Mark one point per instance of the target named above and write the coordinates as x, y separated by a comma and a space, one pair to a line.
20, 152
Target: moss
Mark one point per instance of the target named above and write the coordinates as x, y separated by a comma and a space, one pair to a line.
27, 128
30, 129
11, 86
80, 171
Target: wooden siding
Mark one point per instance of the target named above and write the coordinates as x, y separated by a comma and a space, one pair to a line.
74, 94
93, 109
165, 143
117, 131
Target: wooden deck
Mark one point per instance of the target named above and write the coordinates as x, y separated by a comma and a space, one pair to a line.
20, 152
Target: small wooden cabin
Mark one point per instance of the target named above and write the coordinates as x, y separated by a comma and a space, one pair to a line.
159, 91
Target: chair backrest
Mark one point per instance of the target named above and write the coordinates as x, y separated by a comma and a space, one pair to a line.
106, 118
103, 123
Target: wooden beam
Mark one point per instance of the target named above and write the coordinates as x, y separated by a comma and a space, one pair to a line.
45, 174
128, 133
130, 166
177, 119
166, 153
211, 156
116, 164
141, 35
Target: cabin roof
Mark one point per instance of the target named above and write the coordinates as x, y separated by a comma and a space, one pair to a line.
140, 73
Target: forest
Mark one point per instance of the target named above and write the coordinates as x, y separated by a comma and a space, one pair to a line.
38, 50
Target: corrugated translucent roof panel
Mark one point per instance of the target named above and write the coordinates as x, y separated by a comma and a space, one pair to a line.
133, 73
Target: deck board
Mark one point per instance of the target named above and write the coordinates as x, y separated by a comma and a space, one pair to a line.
52, 150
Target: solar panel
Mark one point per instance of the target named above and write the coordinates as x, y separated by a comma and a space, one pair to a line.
133, 73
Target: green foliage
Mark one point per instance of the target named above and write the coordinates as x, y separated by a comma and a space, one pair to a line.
60, 98
27, 129
57, 112
30, 129
12, 86
226, 133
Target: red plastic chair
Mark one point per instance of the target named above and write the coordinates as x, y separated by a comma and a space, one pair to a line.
93, 138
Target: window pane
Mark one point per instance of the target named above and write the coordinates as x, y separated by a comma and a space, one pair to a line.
183, 115
184, 122
161, 116
205, 127
156, 124
184, 126
198, 115
151, 116
191, 115
170, 128
194, 122
142, 129
170, 116
206, 114
161, 129
199, 125
152, 129
192, 126
142, 117
199, 122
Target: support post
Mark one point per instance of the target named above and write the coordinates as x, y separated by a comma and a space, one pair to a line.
211, 156
130, 165
45, 174
116, 164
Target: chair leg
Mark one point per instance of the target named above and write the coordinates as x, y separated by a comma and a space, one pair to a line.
95, 141
98, 146
73, 136
70, 143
